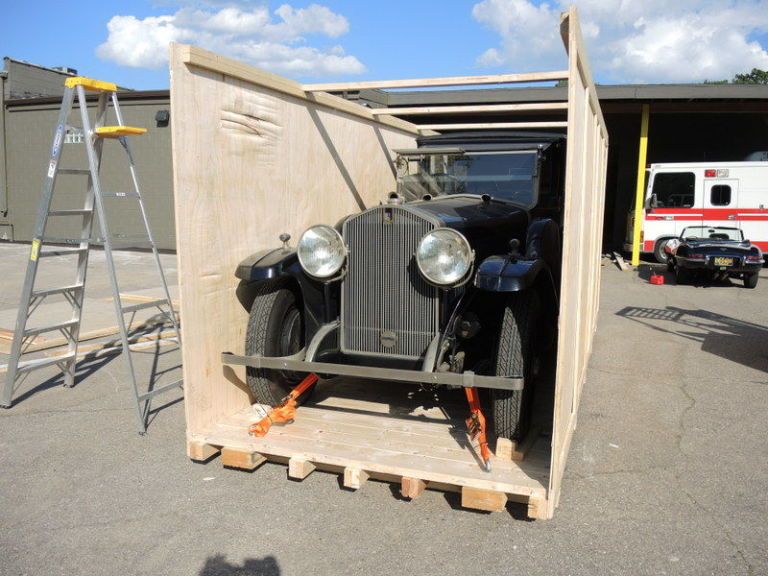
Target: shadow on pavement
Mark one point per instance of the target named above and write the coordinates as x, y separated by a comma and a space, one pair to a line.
218, 566
735, 340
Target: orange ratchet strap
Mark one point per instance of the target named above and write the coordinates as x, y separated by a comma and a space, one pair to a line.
476, 426
285, 411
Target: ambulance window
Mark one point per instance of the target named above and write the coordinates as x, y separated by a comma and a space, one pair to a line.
720, 195
674, 189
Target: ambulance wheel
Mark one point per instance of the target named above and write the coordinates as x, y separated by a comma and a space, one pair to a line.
658, 251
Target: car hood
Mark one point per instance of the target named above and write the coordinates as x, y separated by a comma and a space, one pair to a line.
469, 211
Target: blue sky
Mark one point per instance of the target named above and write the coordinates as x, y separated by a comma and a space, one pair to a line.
328, 40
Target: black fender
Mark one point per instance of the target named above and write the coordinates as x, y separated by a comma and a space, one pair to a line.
543, 241
319, 300
509, 274
267, 265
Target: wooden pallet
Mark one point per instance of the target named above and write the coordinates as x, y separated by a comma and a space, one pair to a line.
393, 438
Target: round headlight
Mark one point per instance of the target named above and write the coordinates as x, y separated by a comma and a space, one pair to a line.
444, 256
321, 251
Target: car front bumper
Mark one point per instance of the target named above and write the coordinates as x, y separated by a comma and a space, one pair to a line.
296, 363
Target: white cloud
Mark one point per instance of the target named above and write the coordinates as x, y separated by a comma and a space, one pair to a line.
246, 32
631, 41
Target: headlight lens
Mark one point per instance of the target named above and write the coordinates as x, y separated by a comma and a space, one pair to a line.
444, 256
321, 251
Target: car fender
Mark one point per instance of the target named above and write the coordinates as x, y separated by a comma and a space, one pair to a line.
268, 265
319, 302
504, 273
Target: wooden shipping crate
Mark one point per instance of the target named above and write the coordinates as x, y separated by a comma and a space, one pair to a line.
255, 155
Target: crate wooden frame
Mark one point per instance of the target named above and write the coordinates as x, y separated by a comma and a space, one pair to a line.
254, 155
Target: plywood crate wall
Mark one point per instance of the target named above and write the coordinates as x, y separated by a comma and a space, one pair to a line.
255, 155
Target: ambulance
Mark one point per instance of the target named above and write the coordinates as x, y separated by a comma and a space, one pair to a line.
733, 194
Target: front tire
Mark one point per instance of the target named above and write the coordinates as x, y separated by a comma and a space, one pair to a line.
516, 354
750, 280
275, 328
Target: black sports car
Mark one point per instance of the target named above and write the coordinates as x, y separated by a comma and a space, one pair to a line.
714, 252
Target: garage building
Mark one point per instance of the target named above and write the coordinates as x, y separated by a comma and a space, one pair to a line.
687, 123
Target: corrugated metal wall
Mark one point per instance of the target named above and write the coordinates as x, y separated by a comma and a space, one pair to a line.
29, 131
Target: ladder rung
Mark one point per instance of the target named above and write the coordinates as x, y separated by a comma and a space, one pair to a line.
73, 171
142, 305
61, 252
119, 195
126, 244
51, 328
73, 212
57, 240
60, 290
116, 131
28, 365
90, 84
172, 385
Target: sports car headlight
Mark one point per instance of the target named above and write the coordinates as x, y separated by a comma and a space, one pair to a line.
444, 257
321, 251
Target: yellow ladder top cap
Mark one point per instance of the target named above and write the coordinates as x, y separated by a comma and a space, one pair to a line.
90, 84
115, 131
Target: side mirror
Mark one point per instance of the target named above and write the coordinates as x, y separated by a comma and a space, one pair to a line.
652, 202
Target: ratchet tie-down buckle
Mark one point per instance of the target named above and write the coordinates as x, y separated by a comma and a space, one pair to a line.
285, 411
476, 426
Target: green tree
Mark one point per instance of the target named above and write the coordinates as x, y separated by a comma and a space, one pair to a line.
757, 76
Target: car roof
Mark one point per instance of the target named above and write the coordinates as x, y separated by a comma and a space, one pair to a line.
476, 140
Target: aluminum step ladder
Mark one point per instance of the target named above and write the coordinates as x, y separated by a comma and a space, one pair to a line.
94, 138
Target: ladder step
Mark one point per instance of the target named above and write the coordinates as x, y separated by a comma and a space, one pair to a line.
61, 252
90, 84
29, 365
56, 240
119, 195
73, 171
51, 328
60, 290
117, 131
127, 244
81, 212
171, 386
143, 305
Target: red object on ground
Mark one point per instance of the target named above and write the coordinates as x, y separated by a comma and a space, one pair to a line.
657, 279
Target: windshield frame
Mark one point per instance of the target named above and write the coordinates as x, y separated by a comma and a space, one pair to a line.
713, 228
405, 162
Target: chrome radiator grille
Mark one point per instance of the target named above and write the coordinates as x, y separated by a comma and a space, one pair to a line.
387, 308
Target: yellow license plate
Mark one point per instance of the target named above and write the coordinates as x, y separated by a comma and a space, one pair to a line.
723, 261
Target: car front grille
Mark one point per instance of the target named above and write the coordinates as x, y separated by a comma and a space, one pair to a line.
387, 308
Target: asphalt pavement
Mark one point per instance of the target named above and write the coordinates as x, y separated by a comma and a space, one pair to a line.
668, 471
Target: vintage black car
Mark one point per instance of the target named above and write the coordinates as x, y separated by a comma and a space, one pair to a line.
714, 252
452, 280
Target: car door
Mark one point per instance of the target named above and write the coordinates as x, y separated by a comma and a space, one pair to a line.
721, 201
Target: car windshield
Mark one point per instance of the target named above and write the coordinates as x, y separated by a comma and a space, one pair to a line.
504, 175
712, 233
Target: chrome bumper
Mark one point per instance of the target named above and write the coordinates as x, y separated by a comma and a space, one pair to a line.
295, 363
